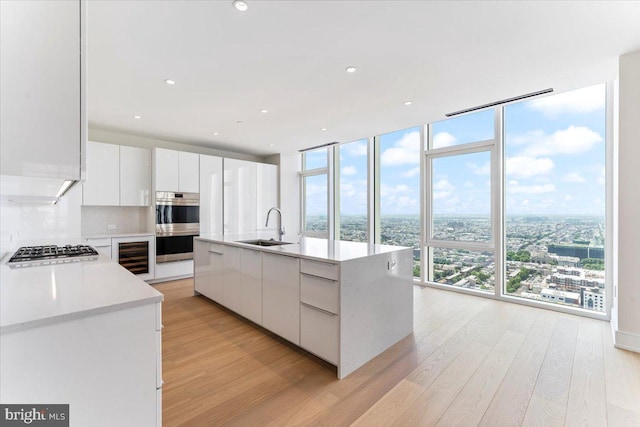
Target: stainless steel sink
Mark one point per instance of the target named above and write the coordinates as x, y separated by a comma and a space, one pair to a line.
263, 242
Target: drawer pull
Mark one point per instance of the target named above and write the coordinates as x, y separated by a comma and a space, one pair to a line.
215, 252
313, 307
318, 277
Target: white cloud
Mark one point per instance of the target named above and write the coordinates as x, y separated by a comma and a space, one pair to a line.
469, 184
355, 148
349, 170
406, 151
480, 170
577, 101
575, 177
573, 140
568, 197
602, 177
523, 167
444, 139
531, 189
411, 172
442, 189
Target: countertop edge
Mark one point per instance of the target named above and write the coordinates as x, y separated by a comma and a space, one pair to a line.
45, 321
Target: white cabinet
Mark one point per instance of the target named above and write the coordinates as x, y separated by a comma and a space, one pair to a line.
232, 297
209, 269
210, 195
94, 364
42, 81
281, 296
166, 170
319, 309
102, 245
188, 175
251, 284
135, 176
240, 192
173, 270
176, 171
102, 184
116, 175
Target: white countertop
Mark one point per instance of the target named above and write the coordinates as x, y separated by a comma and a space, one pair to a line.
307, 247
104, 235
41, 295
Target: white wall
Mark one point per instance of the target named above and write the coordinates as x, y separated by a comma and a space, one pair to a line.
627, 304
289, 192
25, 224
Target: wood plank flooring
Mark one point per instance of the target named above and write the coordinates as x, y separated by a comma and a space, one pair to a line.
470, 361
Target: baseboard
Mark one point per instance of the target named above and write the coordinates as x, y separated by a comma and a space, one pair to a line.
626, 341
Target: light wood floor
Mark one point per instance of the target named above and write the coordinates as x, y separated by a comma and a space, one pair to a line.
471, 361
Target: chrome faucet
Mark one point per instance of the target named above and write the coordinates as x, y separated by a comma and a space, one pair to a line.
280, 226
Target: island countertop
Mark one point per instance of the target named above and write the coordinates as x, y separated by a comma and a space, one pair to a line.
306, 247
45, 294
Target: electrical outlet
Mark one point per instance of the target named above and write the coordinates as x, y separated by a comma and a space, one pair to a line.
111, 227
392, 264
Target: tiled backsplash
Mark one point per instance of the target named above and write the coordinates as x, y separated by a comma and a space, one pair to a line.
126, 219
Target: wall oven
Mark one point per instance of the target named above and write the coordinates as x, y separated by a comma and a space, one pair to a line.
177, 222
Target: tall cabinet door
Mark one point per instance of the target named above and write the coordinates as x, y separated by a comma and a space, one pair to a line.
267, 194
188, 176
40, 72
135, 176
166, 166
240, 187
210, 195
281, 295
101, 187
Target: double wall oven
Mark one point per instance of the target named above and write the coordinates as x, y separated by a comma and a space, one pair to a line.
177, 222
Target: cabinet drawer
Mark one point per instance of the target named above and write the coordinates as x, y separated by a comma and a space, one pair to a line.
319, 333
98, 241
320, 292
320, 269
216, 248
159, 407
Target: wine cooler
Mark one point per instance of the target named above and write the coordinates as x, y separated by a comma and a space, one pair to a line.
136, 255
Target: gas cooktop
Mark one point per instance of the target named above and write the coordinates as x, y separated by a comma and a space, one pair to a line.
52, 254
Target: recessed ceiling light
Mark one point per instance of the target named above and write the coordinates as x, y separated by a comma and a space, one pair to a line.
215, 133
242, 6
137, 117
270, 145
239, 122
408, 103
263, 111
170, 82
350, 69
323, 129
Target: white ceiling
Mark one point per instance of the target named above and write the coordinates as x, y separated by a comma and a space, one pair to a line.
290, 57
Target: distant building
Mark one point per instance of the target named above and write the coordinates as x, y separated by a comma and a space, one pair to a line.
572, 282
593, 299
578, 251
560, 296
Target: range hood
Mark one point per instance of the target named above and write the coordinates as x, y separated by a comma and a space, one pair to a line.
34, 190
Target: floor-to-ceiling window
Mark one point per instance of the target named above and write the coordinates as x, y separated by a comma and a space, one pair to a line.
315, 194
460, 204
352, 191
555, 198
508, 201
397, 191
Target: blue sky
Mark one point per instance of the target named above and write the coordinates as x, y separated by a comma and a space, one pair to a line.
555, 155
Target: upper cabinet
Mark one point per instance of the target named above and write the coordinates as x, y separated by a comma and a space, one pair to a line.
176, 171
210, 194
102, 184
135, 176
42, 72
117, 175
250, 189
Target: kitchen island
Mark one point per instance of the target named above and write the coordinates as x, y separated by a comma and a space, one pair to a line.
84, 333
345, 302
